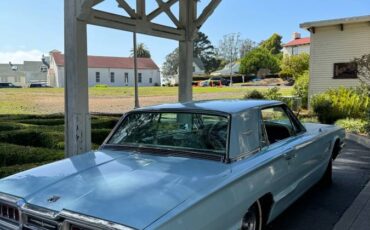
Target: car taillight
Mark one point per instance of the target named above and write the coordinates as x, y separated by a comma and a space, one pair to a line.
8, 212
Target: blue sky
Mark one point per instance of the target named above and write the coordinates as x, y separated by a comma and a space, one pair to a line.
29, 28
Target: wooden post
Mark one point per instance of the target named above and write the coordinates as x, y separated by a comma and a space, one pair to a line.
136, 84
187, 18
77, 117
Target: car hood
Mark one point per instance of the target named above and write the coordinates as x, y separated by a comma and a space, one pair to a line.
123, 187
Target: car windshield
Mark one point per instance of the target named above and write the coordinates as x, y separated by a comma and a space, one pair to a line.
182, 131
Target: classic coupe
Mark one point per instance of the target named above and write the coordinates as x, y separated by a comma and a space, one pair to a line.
223, 164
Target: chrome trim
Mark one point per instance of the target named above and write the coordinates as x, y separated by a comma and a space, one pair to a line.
6, 225
89, 222
39, 212
9, 199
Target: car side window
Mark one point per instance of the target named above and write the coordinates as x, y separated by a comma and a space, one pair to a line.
277, 124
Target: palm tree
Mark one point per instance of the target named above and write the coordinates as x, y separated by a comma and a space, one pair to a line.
141, 51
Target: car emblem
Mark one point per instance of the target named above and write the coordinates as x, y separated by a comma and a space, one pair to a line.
53, 199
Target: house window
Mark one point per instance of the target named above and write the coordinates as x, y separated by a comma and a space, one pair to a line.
112, 77
150, 80
126, 78
345, 70
139, 78
295, 50
97, 77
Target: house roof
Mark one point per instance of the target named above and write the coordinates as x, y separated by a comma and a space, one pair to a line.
298, 42
333, 22
199, 63
110, 62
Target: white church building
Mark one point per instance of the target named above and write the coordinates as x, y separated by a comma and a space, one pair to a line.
111, 71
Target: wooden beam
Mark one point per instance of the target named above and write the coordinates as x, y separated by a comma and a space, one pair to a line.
123, 4
77, 117
187, 17
160, 9
140, 9
207, 12
101, 18
169, 13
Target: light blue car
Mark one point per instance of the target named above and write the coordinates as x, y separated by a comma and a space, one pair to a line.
228, 164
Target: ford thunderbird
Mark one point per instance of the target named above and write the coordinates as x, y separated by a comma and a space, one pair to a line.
228, 164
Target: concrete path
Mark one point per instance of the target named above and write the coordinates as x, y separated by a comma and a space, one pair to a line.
323, 208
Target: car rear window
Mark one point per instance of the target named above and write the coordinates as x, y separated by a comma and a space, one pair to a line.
183, 131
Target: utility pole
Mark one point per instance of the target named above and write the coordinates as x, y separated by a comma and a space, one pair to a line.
135, 74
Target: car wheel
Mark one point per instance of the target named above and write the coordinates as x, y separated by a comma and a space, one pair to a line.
252, 220
326, 179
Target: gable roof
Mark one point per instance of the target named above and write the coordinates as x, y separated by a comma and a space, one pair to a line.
110, 62
298, 42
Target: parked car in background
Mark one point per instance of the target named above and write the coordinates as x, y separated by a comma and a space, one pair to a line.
228, 164
39, 85
9, 85
220, 79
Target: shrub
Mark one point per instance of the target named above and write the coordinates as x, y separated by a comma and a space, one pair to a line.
35, 138
8, 126
323, 107
11, 154
353, 125
300, 88
104, 123
7, 171
254, 94
273, 94
340, 103
48, 122
99, 135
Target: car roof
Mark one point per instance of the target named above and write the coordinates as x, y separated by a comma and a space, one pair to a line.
223, 106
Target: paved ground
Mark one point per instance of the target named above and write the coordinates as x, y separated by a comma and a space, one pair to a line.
321, 208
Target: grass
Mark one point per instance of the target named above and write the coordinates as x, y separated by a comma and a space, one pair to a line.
27, 141
109, 99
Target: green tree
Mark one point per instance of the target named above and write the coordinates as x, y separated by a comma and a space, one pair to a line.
141, 51
363, 68
257, 59
272, 44
300, 88
171, 65
294, 66
205, 51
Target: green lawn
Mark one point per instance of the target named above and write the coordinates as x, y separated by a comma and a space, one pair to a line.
109, 99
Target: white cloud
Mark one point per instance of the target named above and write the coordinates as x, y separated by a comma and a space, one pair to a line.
17, 57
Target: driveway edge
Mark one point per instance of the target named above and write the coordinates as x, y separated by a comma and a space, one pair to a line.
356, 217
364, 141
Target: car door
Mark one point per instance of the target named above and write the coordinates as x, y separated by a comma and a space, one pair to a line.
284, 131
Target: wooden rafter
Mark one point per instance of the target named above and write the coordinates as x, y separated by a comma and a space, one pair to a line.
206, 13
101, 18
140, 22
160, 9
169, 13
123, 4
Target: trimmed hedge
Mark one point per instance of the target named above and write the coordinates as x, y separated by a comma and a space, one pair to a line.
7, 171
14, 154
35, 138
99, 135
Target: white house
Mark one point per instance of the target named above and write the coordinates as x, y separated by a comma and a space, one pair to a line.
198, 69
334, 43
297, 45
112, 71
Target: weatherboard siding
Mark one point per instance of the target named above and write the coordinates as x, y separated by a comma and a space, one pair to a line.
330, 45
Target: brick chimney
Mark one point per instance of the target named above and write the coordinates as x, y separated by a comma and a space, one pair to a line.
296, 35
